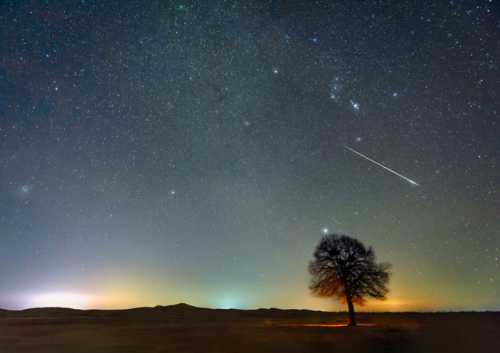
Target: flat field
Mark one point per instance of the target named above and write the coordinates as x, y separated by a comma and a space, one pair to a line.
182, 328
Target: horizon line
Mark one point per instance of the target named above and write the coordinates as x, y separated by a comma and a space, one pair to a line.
159, 306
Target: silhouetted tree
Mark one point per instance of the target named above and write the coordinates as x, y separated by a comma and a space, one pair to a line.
342, 267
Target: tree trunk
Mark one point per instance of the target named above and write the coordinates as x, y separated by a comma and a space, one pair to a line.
352, 318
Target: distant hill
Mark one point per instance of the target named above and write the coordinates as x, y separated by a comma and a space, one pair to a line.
176, 312
184, 312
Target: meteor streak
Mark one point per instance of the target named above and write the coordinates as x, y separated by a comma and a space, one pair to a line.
412, 182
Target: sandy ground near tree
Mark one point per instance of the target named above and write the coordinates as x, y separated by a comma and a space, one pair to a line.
187, 329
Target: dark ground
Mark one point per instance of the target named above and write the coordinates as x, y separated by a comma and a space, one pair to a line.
181, 328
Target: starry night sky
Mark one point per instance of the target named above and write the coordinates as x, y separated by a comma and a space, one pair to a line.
157, 152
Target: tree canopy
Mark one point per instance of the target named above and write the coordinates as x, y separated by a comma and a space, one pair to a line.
343, 268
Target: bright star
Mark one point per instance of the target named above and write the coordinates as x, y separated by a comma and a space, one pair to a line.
355, 105
335, 89
25, 188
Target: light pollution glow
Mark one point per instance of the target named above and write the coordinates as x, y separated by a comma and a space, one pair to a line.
122, 299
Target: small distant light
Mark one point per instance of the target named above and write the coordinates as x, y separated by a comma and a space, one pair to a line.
325, 230
275, 70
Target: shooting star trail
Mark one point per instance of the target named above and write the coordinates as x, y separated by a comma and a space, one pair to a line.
412, 182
